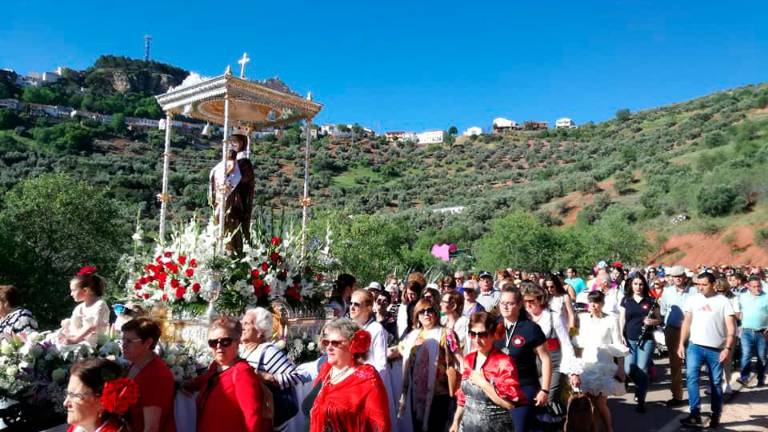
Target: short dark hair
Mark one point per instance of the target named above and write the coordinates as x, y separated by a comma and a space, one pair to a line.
144, 328
95, 372
386, 295
708, 276
489, 321
10, 294
755, 277
596, 296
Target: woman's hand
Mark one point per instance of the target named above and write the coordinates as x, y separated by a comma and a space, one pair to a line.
454, 427
268, 377
541, 398
575, 381
649, 321
477, 379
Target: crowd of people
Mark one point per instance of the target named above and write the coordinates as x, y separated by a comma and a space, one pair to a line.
470, 352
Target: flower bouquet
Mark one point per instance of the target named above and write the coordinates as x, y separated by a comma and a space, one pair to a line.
186, 361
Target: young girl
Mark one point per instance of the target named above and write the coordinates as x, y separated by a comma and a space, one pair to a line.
91, 316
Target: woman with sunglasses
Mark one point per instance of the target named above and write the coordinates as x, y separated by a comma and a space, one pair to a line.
430, 376
470, 299
489, 383
451, 307
350, 396
230, 393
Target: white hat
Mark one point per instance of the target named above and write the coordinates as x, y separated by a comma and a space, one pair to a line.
676, 271
374, 285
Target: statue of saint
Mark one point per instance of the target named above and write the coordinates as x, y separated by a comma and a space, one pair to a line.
231, 191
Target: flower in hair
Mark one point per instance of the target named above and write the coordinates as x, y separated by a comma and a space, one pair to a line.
360, 342
87, 271
119, 394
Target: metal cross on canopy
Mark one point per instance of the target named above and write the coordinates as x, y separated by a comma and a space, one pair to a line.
242, 63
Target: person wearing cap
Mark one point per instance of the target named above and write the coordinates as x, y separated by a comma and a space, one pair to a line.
488, 297
671, 307
471, 305
374, 288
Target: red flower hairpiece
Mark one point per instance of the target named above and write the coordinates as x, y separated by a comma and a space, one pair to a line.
87, 271
119, 394
360, 342
618, 264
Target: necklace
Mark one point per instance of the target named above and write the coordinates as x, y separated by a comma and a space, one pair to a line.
339, 374
509, 335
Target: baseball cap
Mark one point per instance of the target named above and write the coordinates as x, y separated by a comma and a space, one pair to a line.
485, 274
374, 285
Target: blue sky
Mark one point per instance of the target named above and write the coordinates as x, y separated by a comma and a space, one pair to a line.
419, 65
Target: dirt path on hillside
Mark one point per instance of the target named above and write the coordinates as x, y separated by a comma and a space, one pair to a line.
734, 246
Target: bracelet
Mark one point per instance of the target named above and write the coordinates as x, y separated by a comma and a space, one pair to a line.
546, 392
727, 348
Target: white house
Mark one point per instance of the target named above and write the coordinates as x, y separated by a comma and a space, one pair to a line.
430, 137
565, 122
500, 124
334, 131
474, 130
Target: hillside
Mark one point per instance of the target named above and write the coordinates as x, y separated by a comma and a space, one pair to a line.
704, 158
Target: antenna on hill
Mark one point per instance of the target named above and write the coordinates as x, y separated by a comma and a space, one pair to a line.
147, 45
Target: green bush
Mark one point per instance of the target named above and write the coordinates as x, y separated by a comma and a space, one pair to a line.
717, 200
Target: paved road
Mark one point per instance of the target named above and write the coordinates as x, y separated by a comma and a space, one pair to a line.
746, 411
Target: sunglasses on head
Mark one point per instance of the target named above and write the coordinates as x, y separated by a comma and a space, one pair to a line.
333, 343
427, 311
474, 334
222, 342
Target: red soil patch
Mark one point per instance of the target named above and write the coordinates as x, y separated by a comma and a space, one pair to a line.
695, 249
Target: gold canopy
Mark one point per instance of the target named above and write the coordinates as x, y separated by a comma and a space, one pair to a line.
250, 103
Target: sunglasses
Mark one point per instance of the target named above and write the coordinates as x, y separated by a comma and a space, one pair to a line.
333, 343
469, 290
356, 305
474, 334
224, 342
427, 311
382, 301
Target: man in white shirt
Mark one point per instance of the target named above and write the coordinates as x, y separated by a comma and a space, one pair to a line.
488, 297
671, 307
710, 323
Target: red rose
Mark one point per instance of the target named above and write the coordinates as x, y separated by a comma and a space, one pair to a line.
180, 291
254, 273
146, 296
193, 262
267, 289
182, 259
165, 297
158, 258
319, 277
258, 283
360, 342
274, 256
195, 287
137, 285
168, 254
190, 272
119, 394
293, 293
174, 283
264, 266
276, 241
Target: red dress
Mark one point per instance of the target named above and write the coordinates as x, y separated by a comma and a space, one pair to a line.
356, 404
156, 388
230, 400
499, 371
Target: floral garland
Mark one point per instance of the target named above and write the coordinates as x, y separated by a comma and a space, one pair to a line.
170, 279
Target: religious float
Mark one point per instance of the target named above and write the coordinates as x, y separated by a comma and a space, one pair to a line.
199, 269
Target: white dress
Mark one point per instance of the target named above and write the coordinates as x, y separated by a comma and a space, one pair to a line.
83, 316
600, 342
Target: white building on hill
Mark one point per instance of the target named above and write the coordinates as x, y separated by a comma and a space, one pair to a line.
430, 137
474, 130
500, 125
565, 122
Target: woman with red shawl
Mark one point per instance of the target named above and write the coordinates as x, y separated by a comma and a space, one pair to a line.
351, 396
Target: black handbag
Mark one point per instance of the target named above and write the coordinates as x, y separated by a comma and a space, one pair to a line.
306, 405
